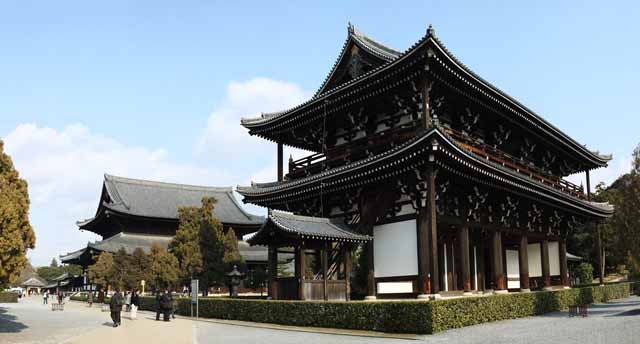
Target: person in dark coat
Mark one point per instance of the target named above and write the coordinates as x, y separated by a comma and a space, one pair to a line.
166, 305
116, 308
100, 296
135, 303
158, 306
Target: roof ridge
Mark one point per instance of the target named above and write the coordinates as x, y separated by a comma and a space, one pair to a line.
145, 182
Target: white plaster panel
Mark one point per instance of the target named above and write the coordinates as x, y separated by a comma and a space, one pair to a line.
395, 249
554, 258
395, 287
513, 269
535, 260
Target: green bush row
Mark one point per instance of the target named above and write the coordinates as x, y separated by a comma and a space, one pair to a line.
454, 313
398, 316
8, 297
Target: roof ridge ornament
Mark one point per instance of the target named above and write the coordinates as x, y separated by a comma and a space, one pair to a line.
431, 31
350, 28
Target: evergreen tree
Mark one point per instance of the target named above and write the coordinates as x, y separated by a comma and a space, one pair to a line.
16, 234
212, 246
186, 243
231, 252
102, 272
140, 267
164, 267
54, 263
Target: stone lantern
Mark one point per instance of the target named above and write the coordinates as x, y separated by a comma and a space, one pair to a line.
234, 277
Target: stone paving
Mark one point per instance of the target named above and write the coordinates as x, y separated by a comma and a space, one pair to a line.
31, 322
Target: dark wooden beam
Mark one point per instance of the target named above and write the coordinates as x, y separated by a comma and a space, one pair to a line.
273, 272
300, 270
280, 162
497, 268
324, 270
463, 239
424, 255
432, 228
523, 262
599, 257
564, 273
546, 275
346, 254
371, 278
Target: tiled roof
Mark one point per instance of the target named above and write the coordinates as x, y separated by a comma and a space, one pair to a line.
162, 200
307, 227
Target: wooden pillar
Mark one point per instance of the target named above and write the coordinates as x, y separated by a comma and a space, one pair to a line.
371, 277
463, 239
564, 272
432, 229
424, 283
450, 259
546, 275
599, 257
346, 259
280, 163
588, 187
523, 262
300, 270
480, 248
324, 269
499, 280
273, 272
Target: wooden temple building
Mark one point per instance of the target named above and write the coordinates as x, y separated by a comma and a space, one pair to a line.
136, 213
452, 184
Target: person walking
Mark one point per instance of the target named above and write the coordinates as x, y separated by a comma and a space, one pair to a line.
158, 306
173, 305
127, 301
100, 296
90, 298
116, 307
135, 302
45, 297
166, 305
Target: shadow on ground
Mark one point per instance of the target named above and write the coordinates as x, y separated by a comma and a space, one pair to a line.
8, 323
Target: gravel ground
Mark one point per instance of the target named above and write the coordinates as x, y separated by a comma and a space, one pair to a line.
31, 322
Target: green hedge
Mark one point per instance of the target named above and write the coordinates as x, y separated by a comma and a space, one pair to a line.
398, 316
8, 297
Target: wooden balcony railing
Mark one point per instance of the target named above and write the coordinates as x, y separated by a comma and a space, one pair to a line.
318, 162
497, 156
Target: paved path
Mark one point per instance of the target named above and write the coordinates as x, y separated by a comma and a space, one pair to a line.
30, 322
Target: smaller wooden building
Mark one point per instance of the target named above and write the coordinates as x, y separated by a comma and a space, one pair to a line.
322, 250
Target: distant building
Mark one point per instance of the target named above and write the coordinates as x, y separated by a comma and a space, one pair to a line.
136, 213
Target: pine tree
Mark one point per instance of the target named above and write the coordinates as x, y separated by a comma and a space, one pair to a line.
231, 252
212, 246
54, 263
164, 267
186, 243
16, 234
102, 272
140, 267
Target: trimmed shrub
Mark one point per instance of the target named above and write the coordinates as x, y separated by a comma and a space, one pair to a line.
584, 272
8, 297
398, 316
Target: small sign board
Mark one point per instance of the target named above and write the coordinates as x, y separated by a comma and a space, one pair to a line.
194, 291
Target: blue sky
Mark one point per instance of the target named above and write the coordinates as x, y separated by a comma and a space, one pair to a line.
156, 89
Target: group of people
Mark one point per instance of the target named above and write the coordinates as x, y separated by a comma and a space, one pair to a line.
165, 305
45, 297
131, 301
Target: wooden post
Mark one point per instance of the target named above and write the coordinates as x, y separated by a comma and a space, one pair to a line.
523, 262
546, 275
371, 278
273, 272
280, 162
496, 261
432, 228
324, 269
564, 273
599, 255
424, 286
300, 270
463, 239
588, 187
480, 248
346, 251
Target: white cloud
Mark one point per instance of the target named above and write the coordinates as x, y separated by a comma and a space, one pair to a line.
65, 167
224, 136
608, 175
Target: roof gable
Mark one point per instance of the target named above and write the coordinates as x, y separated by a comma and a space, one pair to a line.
359, 55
